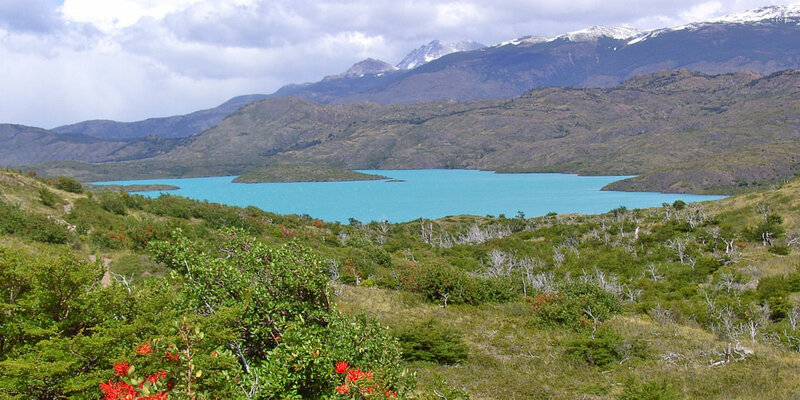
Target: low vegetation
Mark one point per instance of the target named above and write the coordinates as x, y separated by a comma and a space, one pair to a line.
303, 173
135, 296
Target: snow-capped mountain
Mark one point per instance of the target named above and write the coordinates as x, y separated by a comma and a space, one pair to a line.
435, 49
370, 66
763, 40
584, 35
782, 14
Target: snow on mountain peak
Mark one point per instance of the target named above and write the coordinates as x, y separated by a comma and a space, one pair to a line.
370, 66
769, 14
584, 35
435, 49
788, 13
596, 32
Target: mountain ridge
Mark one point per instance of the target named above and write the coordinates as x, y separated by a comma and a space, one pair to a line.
680, 131
592, 57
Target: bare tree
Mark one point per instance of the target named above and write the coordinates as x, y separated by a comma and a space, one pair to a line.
333, 269
118, 278
426, 231
653, 271
499, 262
792, 317
679, 245
558, 257
764, 210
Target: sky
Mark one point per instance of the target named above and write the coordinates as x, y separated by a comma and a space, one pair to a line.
65, 61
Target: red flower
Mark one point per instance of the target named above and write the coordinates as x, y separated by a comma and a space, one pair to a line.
367, 390
144, 348
153, 378
160, 396
341, 367
356, 375
171, 357
118, 391
121, 368
342, 389
390, 395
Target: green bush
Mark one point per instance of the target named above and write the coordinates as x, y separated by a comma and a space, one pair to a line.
289, 331
602, 347
780, 249
112, 202
67, 184
571, 305
655, 390
431, 341
438, 282
16, 221
47, 197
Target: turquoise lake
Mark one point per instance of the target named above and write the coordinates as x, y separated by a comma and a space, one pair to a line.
423, 193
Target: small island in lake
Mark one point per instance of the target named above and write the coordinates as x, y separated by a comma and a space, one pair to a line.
131, 188
304, 173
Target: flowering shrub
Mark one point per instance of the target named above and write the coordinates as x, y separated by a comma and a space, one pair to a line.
169, 368
358, 384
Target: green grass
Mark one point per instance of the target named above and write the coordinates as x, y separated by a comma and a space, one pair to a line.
664, 341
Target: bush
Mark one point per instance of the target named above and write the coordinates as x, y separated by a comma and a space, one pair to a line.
67, 184
656, 390
602, 347
431, 341
16, 221
780, 249
112, 202
570, 306
47, 197
437, 282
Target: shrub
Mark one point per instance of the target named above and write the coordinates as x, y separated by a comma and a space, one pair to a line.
573, 303
655, 390
602, 347
47, 197
780, 249
67, 184
431, 341
438, 282
16, 221
112, 202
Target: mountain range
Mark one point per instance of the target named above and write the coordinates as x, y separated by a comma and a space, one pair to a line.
678, 130
761, 40
605, 59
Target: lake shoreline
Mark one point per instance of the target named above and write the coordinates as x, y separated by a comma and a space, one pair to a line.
428, 194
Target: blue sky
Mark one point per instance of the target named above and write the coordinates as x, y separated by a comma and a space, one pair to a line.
64, 61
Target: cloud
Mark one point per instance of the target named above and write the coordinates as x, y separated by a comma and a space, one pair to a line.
29, 16
133, 59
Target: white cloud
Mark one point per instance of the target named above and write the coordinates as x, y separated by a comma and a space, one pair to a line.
702, 11
113, 14
133, 59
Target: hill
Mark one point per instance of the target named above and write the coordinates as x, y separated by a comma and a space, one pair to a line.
681, 131
25, 145
167, 127
680, 301
761, 40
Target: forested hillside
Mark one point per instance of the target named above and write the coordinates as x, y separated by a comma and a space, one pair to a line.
116, 293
